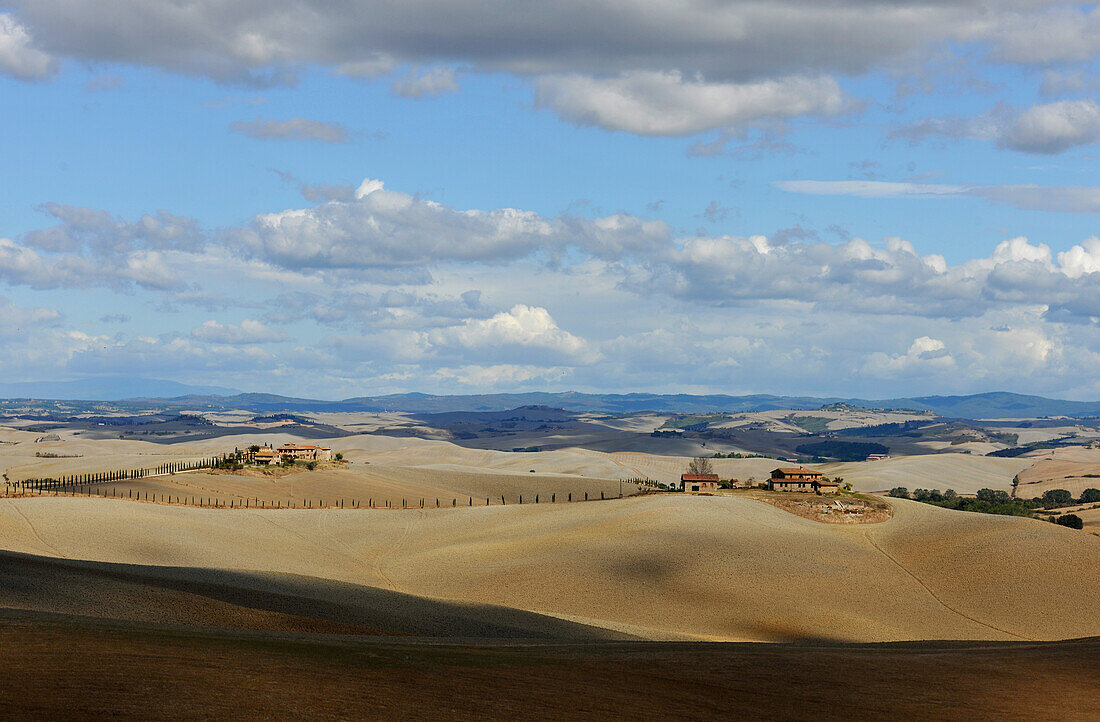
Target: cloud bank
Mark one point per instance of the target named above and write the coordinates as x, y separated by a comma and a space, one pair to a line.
385, 291
671, 68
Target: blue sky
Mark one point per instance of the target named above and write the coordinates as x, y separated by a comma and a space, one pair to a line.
830, 198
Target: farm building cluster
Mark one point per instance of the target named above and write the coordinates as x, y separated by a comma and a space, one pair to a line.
800, 479
782, 479
267, 455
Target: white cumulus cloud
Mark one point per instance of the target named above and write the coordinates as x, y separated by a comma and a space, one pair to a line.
18, 55
1046, 129
529, 328
246, 332
383, 229
925, 354
666, 103
1054, 127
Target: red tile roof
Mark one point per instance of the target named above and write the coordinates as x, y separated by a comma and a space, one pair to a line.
797, 472
698, 477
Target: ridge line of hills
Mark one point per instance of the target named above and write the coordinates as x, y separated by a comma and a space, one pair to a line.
991, 405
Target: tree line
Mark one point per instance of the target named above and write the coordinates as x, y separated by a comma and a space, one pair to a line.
996, 501
101, 477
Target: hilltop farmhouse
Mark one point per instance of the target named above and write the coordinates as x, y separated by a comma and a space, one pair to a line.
699, 482
305, 452
800, 479
267, 456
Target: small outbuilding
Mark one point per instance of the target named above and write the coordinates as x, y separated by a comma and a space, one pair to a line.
699, 482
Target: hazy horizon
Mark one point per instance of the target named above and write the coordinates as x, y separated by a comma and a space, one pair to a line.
118, 389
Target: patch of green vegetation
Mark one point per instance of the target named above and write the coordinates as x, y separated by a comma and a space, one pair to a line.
812, 424
995, 501
1021, 450
1013, 507
907, 428
1004, 437
739, 455
987, 501
842, 450
1071, 520
693, 422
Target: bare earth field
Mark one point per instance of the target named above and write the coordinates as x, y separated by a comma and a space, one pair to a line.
965, 473
364, 486
828, 509
431, 469
104, 670
643, 607
557, 610
1091, 519
656, 567
1072, 469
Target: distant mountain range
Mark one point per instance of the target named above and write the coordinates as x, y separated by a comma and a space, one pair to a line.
994, 405
107, 388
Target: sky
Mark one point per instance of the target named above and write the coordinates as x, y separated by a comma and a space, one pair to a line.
330, 198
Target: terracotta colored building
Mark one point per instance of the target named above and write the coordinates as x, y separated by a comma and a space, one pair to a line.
799, 479
305, 452
699, 482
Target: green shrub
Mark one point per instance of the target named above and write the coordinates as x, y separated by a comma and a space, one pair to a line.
994, 496
1090, 496
1071, 520
1056, 497
928, 495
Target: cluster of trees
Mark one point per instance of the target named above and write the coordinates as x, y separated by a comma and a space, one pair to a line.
996, 501
1055, 498
842, 450
906, 428
1021, 450
739, 455
986, 501
231, 462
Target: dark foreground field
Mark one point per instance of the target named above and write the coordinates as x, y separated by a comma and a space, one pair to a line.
67, 667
